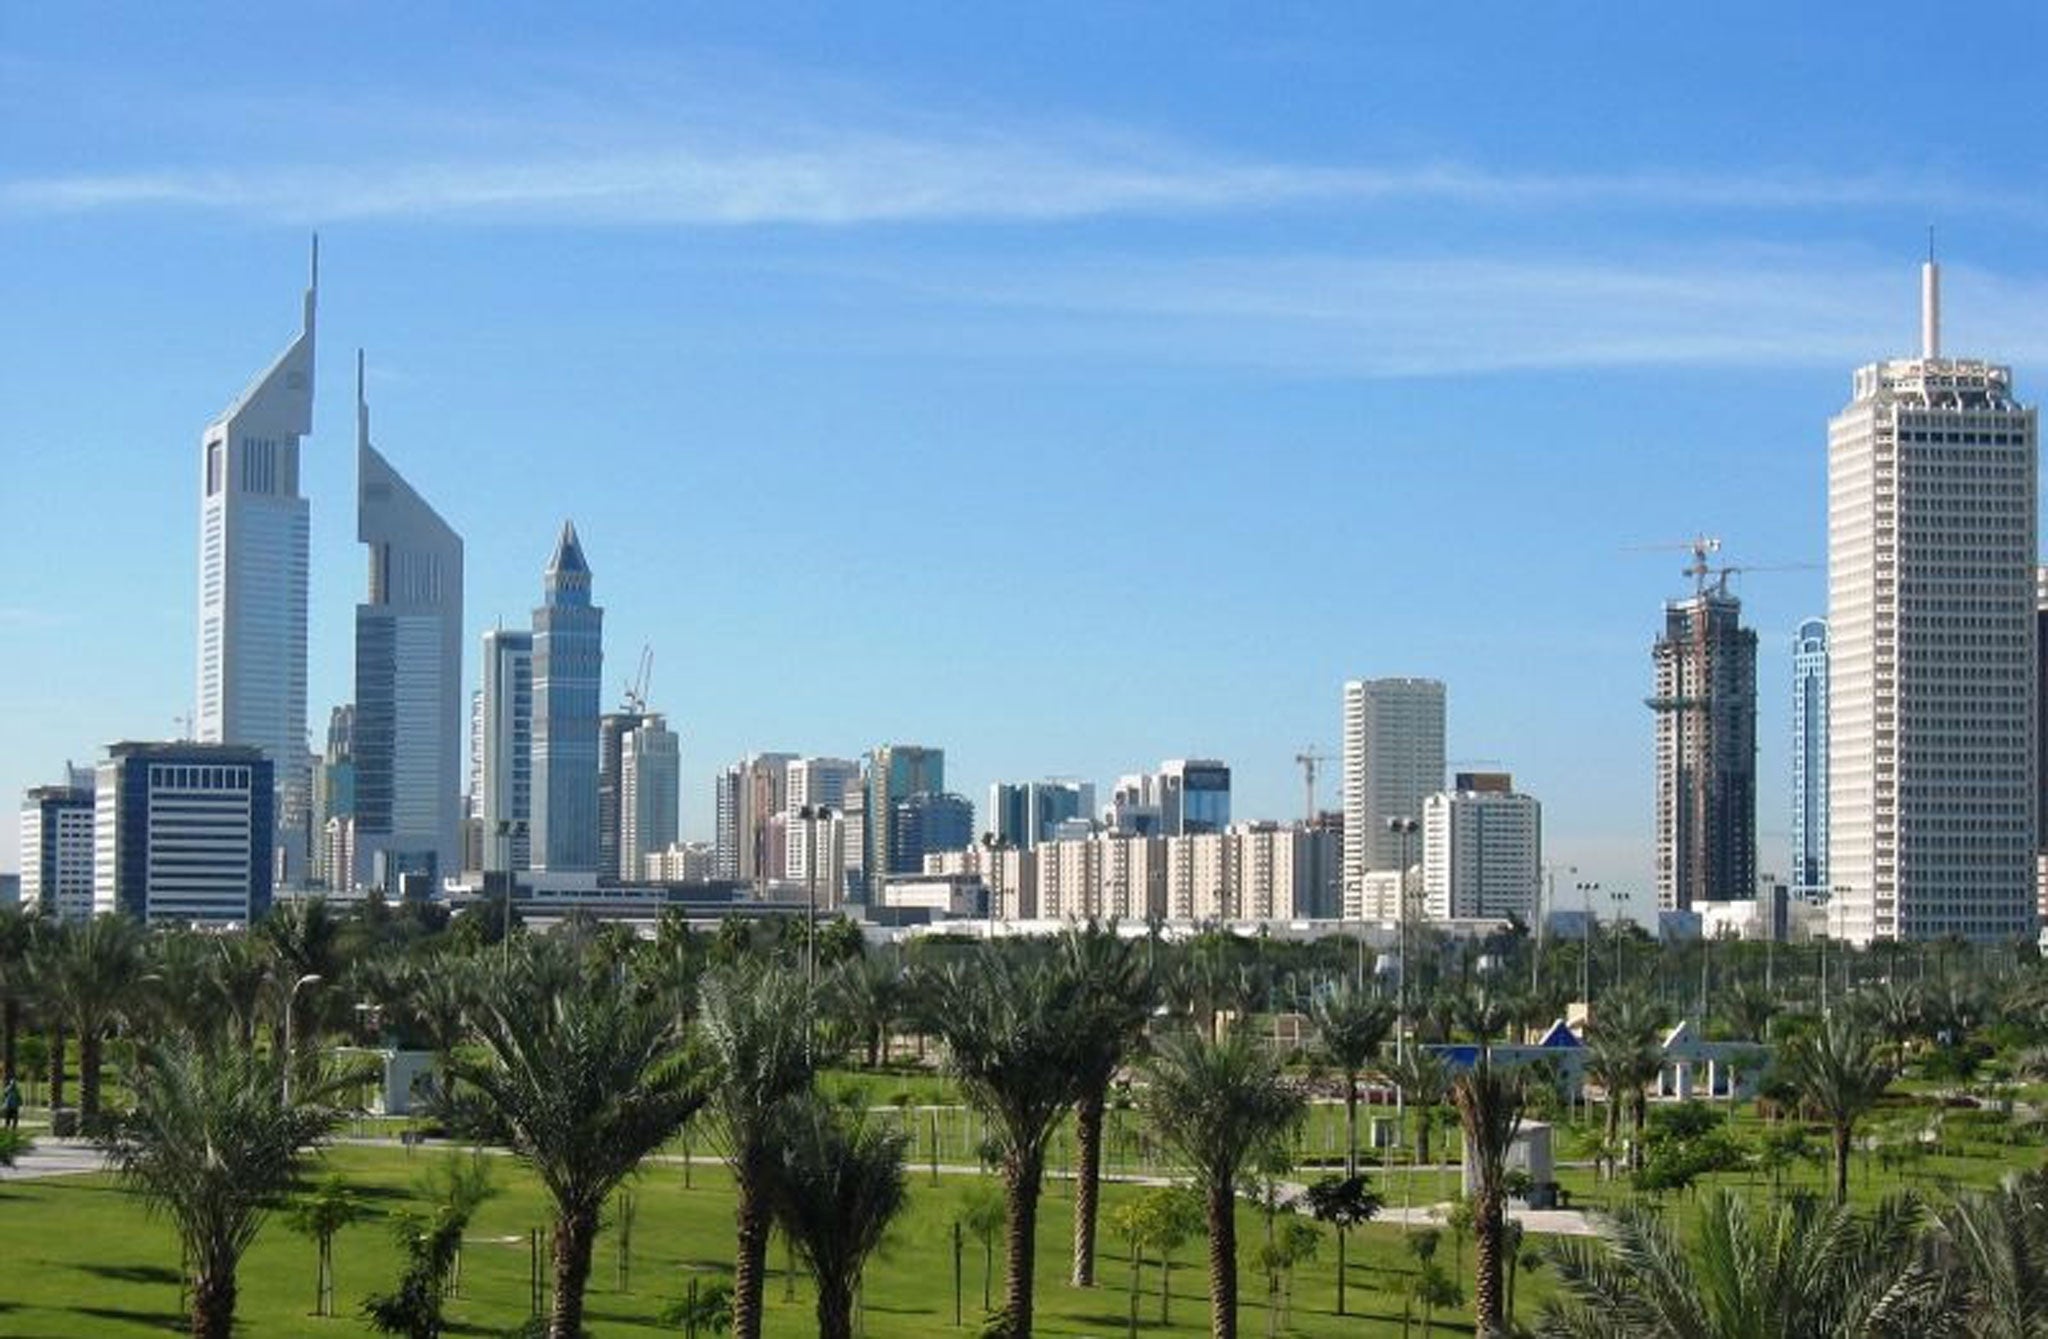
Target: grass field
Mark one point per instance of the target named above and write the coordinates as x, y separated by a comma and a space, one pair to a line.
79, 1255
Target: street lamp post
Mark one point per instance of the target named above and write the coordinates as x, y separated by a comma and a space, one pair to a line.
1405, 828
1618, 897
290, 999
1586, 891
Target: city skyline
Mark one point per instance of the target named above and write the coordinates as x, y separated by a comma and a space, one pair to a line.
751, 313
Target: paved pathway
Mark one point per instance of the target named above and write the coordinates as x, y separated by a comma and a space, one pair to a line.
55, 1157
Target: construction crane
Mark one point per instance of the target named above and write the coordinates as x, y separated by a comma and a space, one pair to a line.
636, 688
1310, 759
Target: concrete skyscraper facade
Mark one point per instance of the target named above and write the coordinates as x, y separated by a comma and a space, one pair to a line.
1393, 760
1704, 700
1482, 850
253, 571
568, 661
1932, 514
612, 729
409, 737
650, 792
1809, 876
505, 780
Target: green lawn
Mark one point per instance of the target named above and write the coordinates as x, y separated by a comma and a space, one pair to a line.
80, 1256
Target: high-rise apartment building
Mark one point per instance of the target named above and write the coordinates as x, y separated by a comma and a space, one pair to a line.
56, 851
1704, 703
568, 661
1809, 878
182, 832
750, 793
1932, 514
650, 791
505, 781
1393, 760
409, 692
253, 571
1185, 797
820, 783
1482, 851
895, 773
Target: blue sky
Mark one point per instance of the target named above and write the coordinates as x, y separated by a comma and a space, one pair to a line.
1069, 386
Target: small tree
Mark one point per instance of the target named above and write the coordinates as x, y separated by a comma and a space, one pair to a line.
1344, 1202
982, 1214
1293, 1244
428, 1242
1434, 1287
1839, 1073
320, 1214
840, 1185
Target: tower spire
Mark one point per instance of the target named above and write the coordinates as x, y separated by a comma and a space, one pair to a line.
362, 405
313, 283
1930, 302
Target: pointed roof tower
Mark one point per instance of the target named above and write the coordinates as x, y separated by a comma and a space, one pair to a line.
568, 572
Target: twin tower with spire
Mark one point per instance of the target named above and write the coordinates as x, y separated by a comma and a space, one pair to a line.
393, 817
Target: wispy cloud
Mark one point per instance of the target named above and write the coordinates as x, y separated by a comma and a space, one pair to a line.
1451, 315
847, 177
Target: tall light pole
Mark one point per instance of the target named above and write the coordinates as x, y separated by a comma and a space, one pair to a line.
291, 998
1586, 891
1405, 827
1618, 898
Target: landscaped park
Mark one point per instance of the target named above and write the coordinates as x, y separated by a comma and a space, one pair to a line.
772, 1128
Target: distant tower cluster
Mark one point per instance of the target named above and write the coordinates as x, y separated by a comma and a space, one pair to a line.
1932, 535
1705, 705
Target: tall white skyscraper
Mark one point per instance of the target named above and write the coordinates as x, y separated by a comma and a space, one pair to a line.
1809, 877
408, 708
1932, 501
505, 785
253, 566
1393, 760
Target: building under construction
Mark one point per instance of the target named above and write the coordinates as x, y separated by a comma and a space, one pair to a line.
1705, 707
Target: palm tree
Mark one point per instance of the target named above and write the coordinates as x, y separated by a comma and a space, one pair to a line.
320, 1214
92, 972
1894, 1009
1011, 1044
1750, 1009
211, 1143
1624, 1054
755, 1020
1799, 1269
1424, 1081
1839, 1073
1112, 999
586, 1086
1490, 1101
840, 1184
1215, 1103
1350, 1026
1994, 1244
870, 992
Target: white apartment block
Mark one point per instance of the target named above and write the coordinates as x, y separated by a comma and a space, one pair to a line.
1932, 515
814, 854
650, 782
1482, 855
1010, 875
814, 782
1393, 760
681, 862
56, 851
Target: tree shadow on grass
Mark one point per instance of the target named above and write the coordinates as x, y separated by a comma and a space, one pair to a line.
134, 1273
161, 1320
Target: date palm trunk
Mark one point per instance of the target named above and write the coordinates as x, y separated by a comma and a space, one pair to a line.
1222, 1214
750, 1267
1087, 1184
1023, 1177
575, 1234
